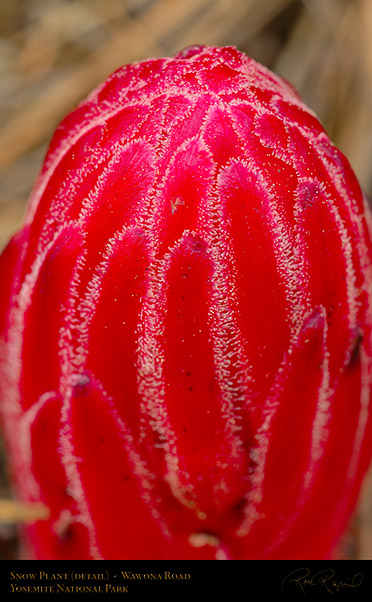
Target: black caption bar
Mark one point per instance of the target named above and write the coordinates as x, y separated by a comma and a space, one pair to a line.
169, 580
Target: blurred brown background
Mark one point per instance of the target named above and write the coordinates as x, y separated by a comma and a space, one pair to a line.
53, 52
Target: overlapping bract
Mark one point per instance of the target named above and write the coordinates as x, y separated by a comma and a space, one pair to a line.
186, 322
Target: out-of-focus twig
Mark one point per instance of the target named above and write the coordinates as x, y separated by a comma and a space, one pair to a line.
14, 512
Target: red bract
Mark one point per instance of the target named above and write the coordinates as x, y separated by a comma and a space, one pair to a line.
186, 322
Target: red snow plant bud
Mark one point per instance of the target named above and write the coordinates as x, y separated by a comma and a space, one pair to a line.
186, 322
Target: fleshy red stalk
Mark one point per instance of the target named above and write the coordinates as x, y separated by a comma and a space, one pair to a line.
186, 324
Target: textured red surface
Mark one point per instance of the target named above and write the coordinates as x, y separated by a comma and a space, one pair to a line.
186, 331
